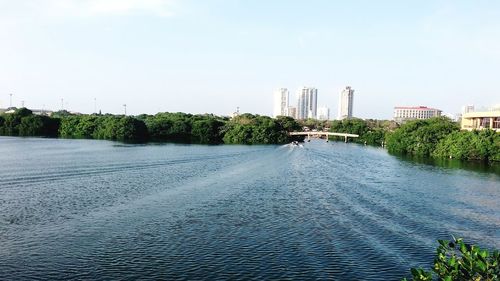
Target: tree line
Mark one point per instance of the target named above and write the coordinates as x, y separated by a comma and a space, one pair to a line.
436, 137
24, 123
171, 127
440, 137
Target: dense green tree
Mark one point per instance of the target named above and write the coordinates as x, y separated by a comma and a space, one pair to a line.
370, 132
13, 121
465, 145
256, 129
80, 126
2, 122
495, 151
30, 126
169, 126
441, 138
420, 137
24, 123
122, 128
68, 127
207, 130
186, 128
62, 113
109, 127
288, 123
373, 136
34, 125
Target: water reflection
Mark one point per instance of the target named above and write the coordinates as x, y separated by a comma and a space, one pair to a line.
475, 166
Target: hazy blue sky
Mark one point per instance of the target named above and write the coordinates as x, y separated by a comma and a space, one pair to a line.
212, 56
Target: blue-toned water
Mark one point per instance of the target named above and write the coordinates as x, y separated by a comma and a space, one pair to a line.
98, 210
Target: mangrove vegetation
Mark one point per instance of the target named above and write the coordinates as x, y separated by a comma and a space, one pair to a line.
439, 137
161, 127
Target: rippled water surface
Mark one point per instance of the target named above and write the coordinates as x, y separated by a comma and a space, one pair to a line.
84, 209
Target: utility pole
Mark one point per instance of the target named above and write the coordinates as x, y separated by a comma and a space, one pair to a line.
95, 105
62, 104
10, 100
125, 108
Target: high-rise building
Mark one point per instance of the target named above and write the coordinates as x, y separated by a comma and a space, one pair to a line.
292, 112
324, 113
346, 103
405, 113
467, 108
307, 103
281, 97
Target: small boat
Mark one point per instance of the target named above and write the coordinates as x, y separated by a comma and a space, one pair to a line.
295, 143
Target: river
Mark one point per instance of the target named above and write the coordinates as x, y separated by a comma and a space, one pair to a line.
100, 210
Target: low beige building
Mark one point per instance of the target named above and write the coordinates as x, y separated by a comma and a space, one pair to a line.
481, 120
405, 113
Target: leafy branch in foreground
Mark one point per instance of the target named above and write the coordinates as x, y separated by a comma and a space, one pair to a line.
456, 260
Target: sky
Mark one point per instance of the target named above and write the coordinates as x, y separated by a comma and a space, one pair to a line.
212, 56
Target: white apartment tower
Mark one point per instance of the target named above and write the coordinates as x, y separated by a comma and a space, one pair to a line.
281, 97
307, 103
346, 103
324, 113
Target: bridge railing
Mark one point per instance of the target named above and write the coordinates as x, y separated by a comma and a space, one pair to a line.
323, 134
326, 134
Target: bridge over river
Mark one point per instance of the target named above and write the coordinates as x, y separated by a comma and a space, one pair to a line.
326, 134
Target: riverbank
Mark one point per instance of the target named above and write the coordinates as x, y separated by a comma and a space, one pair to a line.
437, 138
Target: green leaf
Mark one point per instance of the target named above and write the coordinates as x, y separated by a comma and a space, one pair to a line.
481, 265
453, 261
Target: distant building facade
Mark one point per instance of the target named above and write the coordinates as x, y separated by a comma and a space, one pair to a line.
324, 113
292, 112
481, 120
467, 108
11, 110
307, 103
42, 112
281, 98
405, 113
346, 101
236, 113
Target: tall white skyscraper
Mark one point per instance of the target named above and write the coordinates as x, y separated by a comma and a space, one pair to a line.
281, 97
346, 103
324, 113
307, 103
